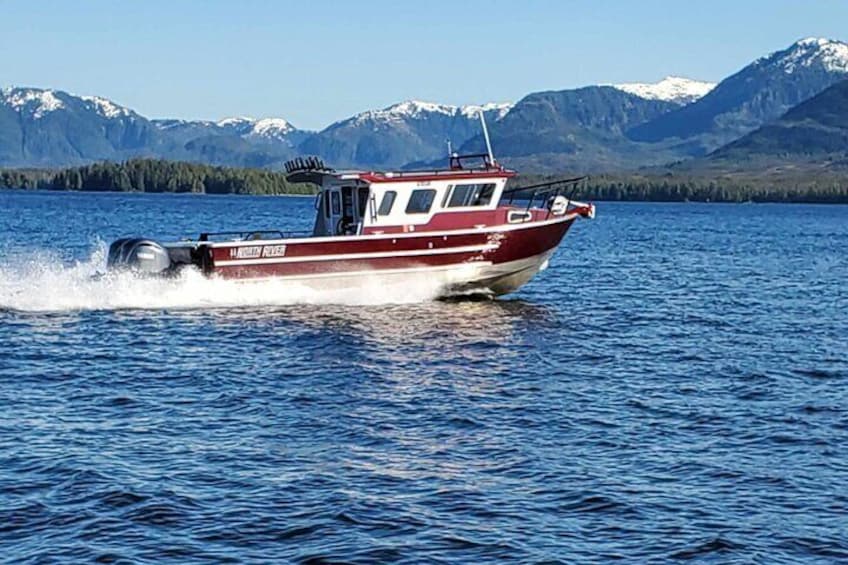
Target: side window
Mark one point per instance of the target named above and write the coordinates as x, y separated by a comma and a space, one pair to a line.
420, 201
462, 195
471, 195
326, 197
337, 207
386, 203
362, 198
446, 196
484, 194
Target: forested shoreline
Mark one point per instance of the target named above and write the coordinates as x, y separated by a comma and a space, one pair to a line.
152, 175
668, 187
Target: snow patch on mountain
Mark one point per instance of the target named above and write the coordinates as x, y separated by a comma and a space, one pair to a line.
107, 108
500, 109
266, 128
417, 109
173, 123
237, 121
831, 54
273, 128
37, 102
671, 89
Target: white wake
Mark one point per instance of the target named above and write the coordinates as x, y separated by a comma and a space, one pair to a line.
41, 282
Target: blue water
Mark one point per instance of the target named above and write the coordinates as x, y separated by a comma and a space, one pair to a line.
673, 387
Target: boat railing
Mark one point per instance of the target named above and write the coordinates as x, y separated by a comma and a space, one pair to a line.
547, 190
253, 235
457, 161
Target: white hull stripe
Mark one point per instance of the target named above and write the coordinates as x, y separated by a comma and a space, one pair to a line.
373, 237
345, 275
357, 256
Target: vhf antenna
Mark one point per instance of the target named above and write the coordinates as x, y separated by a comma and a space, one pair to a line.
486, 137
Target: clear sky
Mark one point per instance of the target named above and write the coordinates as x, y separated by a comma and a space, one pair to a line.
317, 61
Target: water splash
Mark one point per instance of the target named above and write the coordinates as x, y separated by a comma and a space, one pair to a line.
43, 283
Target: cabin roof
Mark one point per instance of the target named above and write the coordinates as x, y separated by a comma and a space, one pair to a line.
312, 169
373, 177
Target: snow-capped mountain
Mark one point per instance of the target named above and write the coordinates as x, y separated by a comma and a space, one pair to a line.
46, 127
276, 129
760, 92
417, 110
32, 102
574, 129
828, 54
671, 89
401, 133
37, 103
269, 130
592, 128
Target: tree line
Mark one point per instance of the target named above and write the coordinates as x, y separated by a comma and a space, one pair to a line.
824, 188
155, 175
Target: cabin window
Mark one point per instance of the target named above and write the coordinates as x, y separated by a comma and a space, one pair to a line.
326, 198
386, 203
420, 201
336, 205
471, 195
362, 197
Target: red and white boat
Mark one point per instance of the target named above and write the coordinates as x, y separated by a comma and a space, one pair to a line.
459, 227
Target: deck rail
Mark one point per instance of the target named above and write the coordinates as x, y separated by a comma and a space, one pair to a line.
549, 189
253, 235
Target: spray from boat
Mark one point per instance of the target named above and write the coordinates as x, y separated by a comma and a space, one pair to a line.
41, 282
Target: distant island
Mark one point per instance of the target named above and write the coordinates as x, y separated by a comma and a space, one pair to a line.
662, 185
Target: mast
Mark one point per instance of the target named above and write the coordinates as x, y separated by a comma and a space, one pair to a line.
486, 137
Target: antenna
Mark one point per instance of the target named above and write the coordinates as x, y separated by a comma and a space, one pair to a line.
486, 136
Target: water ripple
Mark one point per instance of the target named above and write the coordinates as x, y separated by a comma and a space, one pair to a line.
671, 389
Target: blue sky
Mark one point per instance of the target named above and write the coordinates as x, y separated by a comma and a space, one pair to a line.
317, 61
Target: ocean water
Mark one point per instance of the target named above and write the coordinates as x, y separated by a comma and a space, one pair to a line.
674, 387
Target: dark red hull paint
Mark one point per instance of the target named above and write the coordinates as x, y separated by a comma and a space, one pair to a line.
509, 246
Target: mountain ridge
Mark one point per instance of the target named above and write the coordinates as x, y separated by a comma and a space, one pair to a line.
598, 127
754, 95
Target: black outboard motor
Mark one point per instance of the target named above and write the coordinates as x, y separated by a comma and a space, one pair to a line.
140, 255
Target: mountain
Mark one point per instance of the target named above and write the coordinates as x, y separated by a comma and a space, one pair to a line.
815, 131
579, 129
760, 92
238, 141
679, 90
267, 130
399, 134
595, 128
40, 127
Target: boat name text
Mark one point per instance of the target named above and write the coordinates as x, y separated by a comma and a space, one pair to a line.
257, 251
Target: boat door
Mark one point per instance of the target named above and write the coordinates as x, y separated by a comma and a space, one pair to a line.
343, 217
346, 206
334, 210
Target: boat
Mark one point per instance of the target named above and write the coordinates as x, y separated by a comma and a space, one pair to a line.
459, 226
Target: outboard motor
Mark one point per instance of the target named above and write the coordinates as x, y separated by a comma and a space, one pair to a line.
140, 255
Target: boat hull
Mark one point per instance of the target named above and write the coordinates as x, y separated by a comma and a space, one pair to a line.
488, 260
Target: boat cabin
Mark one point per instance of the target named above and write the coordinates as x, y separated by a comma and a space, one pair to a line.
360, 202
